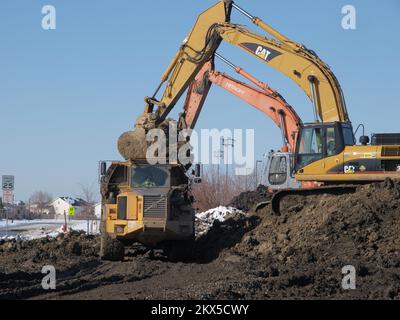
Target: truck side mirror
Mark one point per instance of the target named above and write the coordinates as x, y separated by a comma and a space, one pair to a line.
197, 170
103, 168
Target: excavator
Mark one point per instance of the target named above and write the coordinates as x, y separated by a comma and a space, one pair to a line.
260, 96
324, 153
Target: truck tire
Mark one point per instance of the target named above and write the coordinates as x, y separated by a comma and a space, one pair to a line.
111, 249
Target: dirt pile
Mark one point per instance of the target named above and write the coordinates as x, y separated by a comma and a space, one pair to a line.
298, 254
133, 144
306, 247
21, 262
246, 200
61, 251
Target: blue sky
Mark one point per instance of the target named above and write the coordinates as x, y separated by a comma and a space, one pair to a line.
67, 94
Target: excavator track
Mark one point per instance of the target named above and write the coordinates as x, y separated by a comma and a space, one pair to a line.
332, 190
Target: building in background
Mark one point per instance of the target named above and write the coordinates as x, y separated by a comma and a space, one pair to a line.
38, 209
62, 205
97, 210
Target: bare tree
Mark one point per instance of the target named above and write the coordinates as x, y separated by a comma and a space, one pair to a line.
87, 194
40, 202
218, 190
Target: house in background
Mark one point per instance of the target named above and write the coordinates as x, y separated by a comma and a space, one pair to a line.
97, 210
61, 205
35, 208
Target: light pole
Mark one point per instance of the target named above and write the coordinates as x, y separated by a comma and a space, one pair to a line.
6, 222
257, 162
219, 155
227, 142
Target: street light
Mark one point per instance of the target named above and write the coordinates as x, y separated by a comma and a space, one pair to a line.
257, 162
227, 142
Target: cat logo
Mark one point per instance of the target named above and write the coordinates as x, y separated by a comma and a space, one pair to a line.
349, 169
263, 53
267, 54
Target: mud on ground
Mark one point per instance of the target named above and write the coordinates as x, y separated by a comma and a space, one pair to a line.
299, 254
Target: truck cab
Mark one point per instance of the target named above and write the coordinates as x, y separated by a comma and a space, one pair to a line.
146, 203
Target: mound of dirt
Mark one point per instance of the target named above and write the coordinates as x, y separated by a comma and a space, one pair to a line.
309, 244
299, 254
62, 252
246, 200
134, 145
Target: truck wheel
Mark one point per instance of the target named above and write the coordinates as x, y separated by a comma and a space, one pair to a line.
111, 249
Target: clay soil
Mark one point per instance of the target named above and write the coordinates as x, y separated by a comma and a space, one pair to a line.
296, 255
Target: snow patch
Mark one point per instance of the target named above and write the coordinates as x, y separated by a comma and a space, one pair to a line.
36, 229
205, 220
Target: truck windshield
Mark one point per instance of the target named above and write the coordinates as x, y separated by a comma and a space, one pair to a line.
150, 177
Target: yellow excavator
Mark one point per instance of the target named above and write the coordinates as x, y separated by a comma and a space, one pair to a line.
326, 150
326, 153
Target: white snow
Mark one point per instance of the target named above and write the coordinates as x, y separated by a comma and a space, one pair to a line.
34, 229
206, 219
15, 223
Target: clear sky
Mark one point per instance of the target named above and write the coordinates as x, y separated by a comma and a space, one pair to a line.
67, 94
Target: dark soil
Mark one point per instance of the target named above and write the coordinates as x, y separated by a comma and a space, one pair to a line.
299, 254
247, 200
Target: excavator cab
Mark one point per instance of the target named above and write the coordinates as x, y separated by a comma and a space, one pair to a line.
279, 171
322, 140
318, 143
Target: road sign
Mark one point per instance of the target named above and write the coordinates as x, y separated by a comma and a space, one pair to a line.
8, 183
71, 211
8, 196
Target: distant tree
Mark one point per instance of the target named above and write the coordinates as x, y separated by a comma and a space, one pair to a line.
217, 189
41, 200
87, 194
1, 208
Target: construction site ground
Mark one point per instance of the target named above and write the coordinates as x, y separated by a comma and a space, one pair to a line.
296, 255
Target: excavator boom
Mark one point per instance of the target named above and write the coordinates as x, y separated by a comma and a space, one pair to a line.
299, 64
265, 99
294, 60
196, 50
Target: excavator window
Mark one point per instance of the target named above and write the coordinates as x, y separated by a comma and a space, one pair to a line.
278, 170
325, 140
331, 146
348, 135
311, 146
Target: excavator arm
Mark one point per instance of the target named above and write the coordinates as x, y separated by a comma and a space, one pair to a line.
213, 26
297, 63
263, 98
292, 59
195, 51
